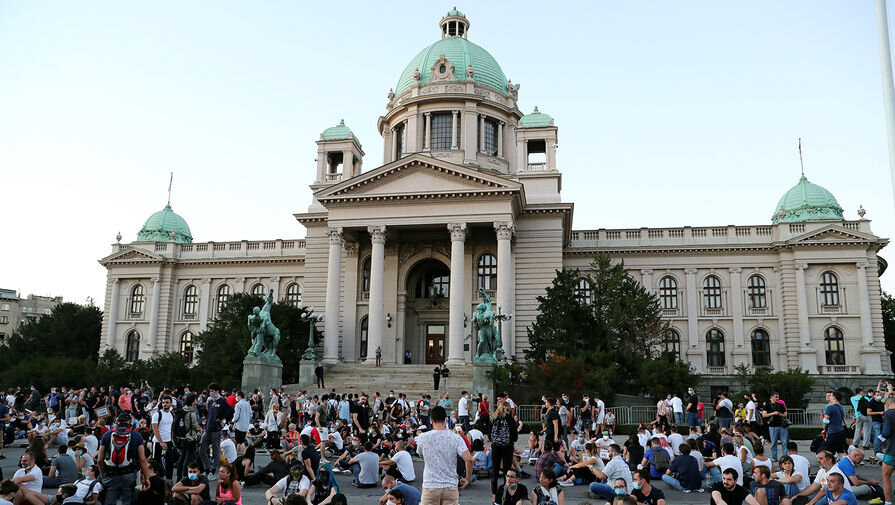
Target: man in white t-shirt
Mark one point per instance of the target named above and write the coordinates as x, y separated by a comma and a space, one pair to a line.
228, 447
58, 432
162, 424
463, 410
727, 460
400, 466
599, 413
816, 491
30, 479
677, 405
475, 434
750, 412
675, 440
439, 449
295, 482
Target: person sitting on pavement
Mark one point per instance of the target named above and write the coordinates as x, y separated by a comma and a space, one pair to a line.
728, 492
767, 491
684, 473
296, 483
860, 487
193, 488
392, 487
617, 469
365, 467
657, 459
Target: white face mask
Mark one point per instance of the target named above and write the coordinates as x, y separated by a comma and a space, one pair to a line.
391, 502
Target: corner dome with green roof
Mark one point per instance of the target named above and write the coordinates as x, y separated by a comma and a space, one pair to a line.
536, 119
461, 53
339, 132
807, 202
159, 226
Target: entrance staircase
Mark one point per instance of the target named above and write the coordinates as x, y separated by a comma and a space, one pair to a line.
411, 380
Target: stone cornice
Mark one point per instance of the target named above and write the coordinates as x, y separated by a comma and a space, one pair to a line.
703, 248
420, 197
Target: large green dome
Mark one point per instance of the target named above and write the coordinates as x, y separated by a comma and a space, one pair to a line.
807, 202
159, 226
461, 53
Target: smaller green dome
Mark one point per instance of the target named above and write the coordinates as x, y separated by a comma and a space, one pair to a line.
159, 226
536, 119
454, 12
339, 132
807, 202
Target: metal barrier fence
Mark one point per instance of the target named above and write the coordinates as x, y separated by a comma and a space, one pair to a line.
646, 414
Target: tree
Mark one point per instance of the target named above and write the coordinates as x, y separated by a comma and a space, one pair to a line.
658, 377
612, 332
222, 347
888, 306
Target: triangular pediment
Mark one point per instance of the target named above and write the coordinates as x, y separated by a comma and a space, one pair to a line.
832, 234
418, 174
131, 254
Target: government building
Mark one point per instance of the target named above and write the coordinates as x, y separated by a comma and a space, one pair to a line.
468, 197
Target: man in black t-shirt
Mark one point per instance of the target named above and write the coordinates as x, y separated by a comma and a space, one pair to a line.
310, 457
644, 492
773, 414
193, 488
693, 410
587, 415
551, 431
771, 492
728, 492
510, 493
360, 420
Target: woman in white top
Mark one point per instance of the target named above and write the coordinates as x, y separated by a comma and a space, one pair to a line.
759, 459
789, 477
743, 454
584, 469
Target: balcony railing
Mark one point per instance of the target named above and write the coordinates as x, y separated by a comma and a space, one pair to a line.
333, 177
716, 370
839, 369
536, 167
717, 310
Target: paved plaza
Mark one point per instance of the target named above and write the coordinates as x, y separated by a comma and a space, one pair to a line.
476, 493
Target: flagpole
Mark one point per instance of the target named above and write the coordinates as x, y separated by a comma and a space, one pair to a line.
885, 54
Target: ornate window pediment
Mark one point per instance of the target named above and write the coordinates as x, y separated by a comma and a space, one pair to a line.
442, 70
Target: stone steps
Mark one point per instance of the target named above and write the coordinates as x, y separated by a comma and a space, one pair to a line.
411, 380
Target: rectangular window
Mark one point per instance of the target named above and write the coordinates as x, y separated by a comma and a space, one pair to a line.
441, 127
490, 134
5, 306
399, 141
4, 319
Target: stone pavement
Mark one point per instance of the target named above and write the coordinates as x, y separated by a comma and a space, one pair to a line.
477, 493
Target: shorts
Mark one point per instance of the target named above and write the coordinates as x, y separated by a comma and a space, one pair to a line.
693, 419
888, 460
240, 437
835, 442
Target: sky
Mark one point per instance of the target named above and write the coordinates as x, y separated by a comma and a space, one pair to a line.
669, 113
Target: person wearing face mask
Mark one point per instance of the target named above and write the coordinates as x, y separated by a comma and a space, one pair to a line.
29, 478
121, 454
463, 410
876, 409
511, 492
88, 488
398, 492
192, 489
693, 409
218, 412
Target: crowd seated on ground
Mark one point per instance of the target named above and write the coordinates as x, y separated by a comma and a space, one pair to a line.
191, 447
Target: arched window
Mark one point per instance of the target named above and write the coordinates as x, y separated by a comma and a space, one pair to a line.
829, 289
711, 292
671, 345
584, 292
138, 298
293, 294
835, 346
364, 333
223, 296
439, 284
761, 348
365, 282
186, 346
757, 292
714, 340
668, 292
487, 274
132, 347
259, 290
190, 301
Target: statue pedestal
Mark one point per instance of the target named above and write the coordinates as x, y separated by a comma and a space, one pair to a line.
258, 373
481, 383
306, 378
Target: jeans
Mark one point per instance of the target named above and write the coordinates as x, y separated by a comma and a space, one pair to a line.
782, 434
558, 469
678, 418
602, 490
863, 432
715, 473
212, 439
791, 489
119, 487
877, 443
725, 421
671, 481
187, 456
464, 420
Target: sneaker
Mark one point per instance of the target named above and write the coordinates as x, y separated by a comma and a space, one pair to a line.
566, 483
212, 476
700, 490
686, 491
875, 501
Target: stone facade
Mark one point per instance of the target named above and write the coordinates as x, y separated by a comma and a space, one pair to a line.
15, 311
468, 197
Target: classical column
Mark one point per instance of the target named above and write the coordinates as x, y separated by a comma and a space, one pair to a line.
500, 139
458, 291
505, 231
740, 350
481, 133
113, 313
347, 164
646, 279
454, 129
394, 155
241, 285
204, 304
153, 318
331, 310
275, 286
428, 134
692, 308
864, 298
377, 297
521, 155
349, 311
802, 298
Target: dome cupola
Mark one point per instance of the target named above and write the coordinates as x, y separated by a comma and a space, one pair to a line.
536, 119
454, 24
165, 226
807, 202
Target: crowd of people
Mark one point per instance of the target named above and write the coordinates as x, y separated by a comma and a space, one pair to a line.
175, 445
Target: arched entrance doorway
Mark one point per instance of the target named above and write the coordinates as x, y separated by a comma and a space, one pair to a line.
426, 311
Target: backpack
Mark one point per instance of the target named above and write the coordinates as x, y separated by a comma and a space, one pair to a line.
661, 460
333, 412
500, 433
118, 456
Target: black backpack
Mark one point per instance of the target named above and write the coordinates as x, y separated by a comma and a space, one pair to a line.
180, 427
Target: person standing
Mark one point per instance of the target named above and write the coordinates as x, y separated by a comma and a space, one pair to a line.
863, 424
888, 431
218, 411
677, 407
774, 415
318, 372
463, 410
242, 418
162, 428
693, 410
834, 421
445, 376
876, 409
503, 436
119, 468
190, 433
408, 357
725, 411
436, 376
379, 356
439, 450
